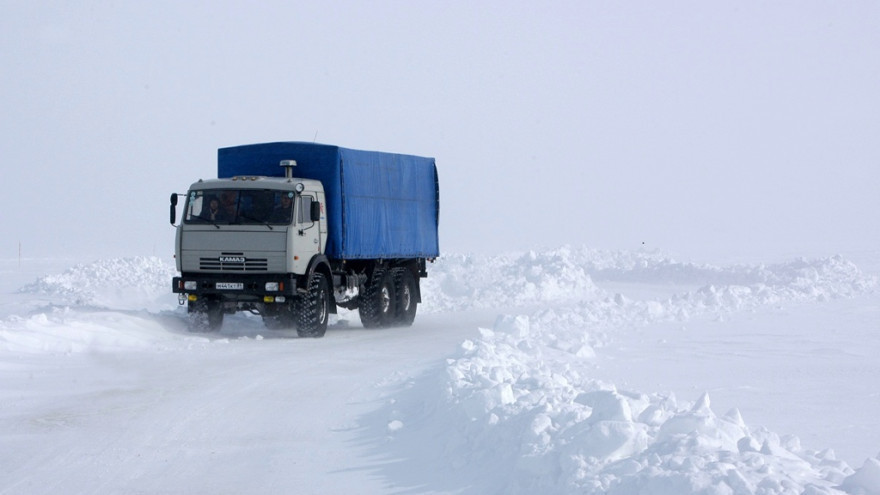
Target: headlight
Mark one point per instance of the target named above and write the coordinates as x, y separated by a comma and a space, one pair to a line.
271, 286
190, 285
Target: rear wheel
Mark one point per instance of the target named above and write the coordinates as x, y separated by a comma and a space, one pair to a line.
407, 302
377, 303
205, 315
313, 308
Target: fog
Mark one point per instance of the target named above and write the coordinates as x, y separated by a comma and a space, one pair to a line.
696, 128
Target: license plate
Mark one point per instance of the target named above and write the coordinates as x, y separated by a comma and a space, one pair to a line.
229, 286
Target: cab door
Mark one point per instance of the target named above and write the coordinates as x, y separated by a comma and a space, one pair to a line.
322, 241
306, 232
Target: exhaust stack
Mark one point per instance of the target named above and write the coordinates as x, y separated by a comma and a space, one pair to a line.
288, 168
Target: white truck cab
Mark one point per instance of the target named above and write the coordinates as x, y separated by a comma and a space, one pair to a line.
251, 224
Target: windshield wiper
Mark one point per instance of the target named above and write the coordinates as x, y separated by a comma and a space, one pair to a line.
247, 217
207, 219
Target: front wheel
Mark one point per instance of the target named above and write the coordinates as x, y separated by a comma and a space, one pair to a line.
279, 316
205, 315
313, 308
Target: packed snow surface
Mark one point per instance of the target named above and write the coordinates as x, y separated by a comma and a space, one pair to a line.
524, 373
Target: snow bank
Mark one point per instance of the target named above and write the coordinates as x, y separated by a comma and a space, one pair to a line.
515, 411
463, 282
108, 305
66, 330
573, 433
118, 283
510, 415
460, 282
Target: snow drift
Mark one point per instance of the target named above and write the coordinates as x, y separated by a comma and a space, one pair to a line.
517, 403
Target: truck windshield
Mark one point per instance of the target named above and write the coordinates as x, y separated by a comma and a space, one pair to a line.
239, 206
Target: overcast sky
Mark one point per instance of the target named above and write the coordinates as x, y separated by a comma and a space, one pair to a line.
695, 127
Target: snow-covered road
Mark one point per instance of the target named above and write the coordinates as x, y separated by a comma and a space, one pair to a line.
567, 371
239, 412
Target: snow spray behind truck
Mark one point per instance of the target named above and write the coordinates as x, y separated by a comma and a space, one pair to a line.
293, 230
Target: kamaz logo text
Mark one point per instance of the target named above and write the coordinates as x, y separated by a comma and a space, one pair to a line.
232, 259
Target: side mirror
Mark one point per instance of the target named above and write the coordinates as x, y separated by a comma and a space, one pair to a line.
316, 211
173, 208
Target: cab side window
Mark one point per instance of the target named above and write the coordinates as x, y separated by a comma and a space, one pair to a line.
305, 206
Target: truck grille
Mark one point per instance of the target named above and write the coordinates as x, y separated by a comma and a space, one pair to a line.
237, 263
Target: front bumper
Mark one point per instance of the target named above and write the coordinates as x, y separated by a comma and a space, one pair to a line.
235, 286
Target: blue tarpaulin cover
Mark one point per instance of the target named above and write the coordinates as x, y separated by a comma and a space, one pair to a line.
379, 205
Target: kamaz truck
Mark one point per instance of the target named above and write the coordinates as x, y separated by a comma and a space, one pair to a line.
291, 231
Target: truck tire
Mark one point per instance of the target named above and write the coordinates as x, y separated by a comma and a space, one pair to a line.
377, 303
313, 308
205, 315
279, 316
407, 301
